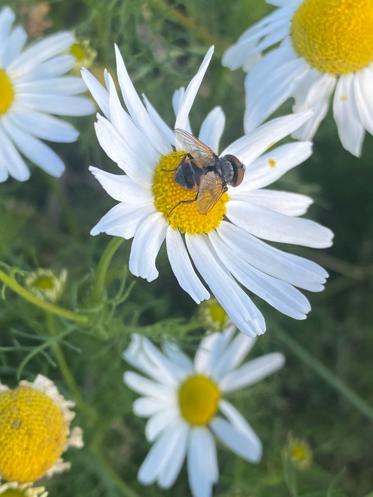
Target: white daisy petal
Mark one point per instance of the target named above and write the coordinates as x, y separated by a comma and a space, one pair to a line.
137, 109
122, 220
39, 52
201, 472
363, 83
146, 245
52, 68
240, 423
159, 122
252, 372
232, 298
145, 386
43, 126
212, 129
277, 227
313, 92
191, 92
35, 150
291, 204
99, 93
158, 422
210, 349
7, 18
13, 46
11, 161
60, 105
234, 439
120, 152
67, 85
172, 468
173, 352
288, 267
182, 267
121, 187
233, 355
271, 166
270, 83
279, 294
159, 454
350, 129
144, 407
129, 132
250, 147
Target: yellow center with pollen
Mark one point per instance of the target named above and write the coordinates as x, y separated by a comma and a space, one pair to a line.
334, 36
6, 92
169, 199
198, 400
33, 434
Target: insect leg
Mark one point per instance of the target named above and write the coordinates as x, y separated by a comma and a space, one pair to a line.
191, 201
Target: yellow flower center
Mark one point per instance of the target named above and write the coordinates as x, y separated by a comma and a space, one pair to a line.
33, 434
213, 316
6, 92
334, 36
44, 283
198, 400
169, 199
83, 53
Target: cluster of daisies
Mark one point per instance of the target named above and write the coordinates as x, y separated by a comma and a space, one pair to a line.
311, 50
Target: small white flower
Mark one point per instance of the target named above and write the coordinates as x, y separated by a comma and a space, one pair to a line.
325, 46
223, 244
186, 406
33, 86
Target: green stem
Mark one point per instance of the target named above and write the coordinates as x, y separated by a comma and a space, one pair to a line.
326, 374
124, 489
65, 370
42, 304
103, 267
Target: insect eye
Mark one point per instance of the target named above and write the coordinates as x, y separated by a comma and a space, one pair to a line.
240, 173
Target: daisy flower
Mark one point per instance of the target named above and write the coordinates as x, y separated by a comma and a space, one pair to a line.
14, 489
35, 430
186, 404
33, 86
325, 46
223, 245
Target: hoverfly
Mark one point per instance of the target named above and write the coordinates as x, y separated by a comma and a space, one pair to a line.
202, 171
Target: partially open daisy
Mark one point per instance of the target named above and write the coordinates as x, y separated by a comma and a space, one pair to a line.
325, 45
33, 86
223, 244
186, 404
35, 430
14, 489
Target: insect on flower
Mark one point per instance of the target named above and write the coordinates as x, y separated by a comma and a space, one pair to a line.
202, 171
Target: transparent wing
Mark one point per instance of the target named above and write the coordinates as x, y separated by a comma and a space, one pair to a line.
210, 190
201, 153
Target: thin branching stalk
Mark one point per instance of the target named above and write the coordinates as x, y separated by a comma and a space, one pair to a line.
42, 304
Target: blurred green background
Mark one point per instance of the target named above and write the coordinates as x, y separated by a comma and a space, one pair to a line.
46, 222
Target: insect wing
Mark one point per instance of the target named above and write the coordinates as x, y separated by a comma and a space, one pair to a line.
210, 190
202, 154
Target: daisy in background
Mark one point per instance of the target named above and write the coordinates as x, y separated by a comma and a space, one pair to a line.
186, 404
35, 431
321, 47
224, 244
14, 489
33, 86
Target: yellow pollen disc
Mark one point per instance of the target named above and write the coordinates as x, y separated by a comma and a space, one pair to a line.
198, 400
334, 36
6, 92
33, 434
168, 194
